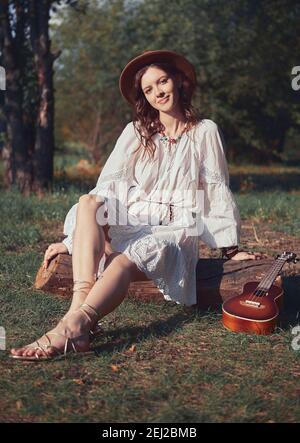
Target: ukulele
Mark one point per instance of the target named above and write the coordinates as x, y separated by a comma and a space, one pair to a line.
256, 310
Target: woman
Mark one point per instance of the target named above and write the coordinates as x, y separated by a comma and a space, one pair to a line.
166, 151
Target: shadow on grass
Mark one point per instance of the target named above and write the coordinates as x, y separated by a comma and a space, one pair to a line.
156, 329
291, 302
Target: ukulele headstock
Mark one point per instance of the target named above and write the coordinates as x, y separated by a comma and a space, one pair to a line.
287, 256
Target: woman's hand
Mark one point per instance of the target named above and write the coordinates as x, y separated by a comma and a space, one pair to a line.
52, 251
243, 255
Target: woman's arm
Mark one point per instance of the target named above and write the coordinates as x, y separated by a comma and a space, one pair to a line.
117, 169
222, 223
221, 218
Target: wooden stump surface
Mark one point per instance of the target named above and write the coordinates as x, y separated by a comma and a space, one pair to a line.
217, 279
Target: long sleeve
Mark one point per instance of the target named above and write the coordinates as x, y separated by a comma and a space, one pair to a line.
118, 168
221, 216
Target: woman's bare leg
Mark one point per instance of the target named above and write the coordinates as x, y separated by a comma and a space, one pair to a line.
109, 291
105, 296
88, 248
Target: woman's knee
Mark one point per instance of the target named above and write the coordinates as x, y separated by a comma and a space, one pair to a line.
123, 261
88, 202
91, 199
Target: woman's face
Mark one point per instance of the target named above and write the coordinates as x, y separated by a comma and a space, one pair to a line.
160, 89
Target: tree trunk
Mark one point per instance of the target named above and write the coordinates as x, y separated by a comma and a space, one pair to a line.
44, 141
95, 149
16, 159
216, 279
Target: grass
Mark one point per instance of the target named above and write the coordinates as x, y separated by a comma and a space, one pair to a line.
280, 209
156, 362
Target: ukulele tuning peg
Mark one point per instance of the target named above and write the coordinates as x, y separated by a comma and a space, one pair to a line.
287, 256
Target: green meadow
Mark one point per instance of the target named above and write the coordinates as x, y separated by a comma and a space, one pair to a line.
155, 361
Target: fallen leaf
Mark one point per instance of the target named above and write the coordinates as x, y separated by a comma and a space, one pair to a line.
132, 348
78, 381
19, 404
115, 368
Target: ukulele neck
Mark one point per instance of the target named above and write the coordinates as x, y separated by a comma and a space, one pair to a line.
269, 278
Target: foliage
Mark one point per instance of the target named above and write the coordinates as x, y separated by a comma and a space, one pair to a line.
89, 108
243, 52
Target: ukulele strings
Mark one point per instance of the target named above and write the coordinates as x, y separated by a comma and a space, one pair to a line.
262, 288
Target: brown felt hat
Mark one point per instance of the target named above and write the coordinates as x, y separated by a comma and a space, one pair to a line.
126, 82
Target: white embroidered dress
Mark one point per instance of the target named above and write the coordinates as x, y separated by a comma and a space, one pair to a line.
132, 187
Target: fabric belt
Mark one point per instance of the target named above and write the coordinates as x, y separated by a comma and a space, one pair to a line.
163, 203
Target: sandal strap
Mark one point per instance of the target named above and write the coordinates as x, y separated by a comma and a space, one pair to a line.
87, 282
39, 347
83, 286
89, 311
43, 347
67, 341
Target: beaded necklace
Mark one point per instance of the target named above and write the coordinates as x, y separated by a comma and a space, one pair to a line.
168, 141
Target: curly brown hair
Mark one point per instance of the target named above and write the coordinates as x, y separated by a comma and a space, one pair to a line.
146, 118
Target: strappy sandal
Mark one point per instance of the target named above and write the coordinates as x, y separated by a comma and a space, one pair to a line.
96, 331
58, 353
84, 286
89, 311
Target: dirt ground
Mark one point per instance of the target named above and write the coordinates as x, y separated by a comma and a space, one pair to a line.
259, 237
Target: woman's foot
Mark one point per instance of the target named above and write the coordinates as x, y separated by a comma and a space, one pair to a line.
72, 334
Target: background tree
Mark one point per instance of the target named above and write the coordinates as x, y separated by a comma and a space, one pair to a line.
259, 44
39, 14
15, 152
28, 105
89, 107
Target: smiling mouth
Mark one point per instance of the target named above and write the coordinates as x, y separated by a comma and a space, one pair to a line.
163, 100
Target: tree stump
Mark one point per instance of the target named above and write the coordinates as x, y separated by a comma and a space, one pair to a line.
216, 279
